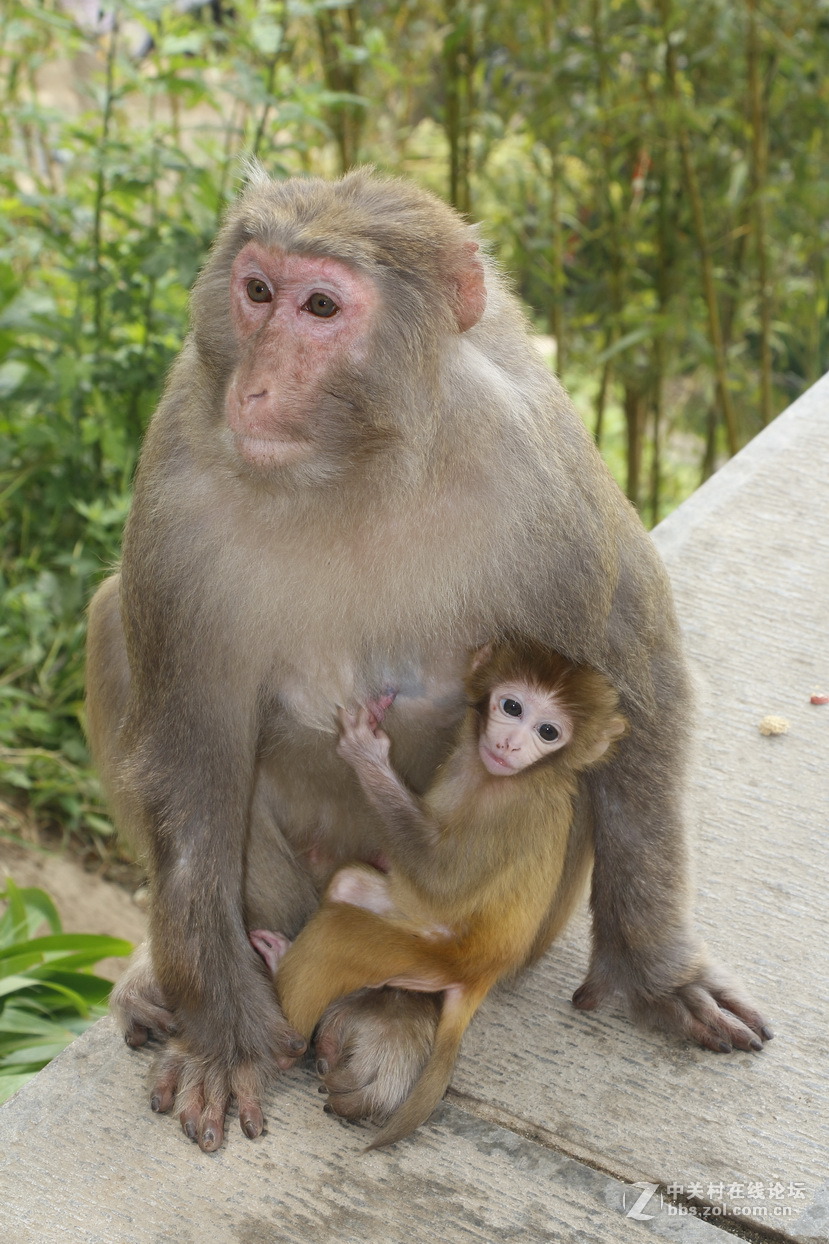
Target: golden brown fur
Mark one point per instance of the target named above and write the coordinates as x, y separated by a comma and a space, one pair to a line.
466, 906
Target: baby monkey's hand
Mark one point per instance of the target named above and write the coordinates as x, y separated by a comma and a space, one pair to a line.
362, 742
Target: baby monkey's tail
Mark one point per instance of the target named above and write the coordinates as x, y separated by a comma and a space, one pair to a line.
459, 1005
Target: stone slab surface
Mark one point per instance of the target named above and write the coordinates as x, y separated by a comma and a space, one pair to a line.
81, 1160
553, 1115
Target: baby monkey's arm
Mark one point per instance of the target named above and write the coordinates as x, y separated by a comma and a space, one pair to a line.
412, 832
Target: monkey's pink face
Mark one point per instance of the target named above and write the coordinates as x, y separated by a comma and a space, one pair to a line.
524, 725
296, 318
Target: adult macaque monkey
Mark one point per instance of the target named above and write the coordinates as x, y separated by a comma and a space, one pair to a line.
360, 470
473, 864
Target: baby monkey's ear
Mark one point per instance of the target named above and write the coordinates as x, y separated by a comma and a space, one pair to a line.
481, 655
616, 727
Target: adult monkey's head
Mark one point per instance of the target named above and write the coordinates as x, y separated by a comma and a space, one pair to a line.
323, 317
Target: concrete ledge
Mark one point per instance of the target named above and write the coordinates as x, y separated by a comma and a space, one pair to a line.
83, 1161
554, 1114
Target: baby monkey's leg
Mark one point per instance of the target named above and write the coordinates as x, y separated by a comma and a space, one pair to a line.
361, 886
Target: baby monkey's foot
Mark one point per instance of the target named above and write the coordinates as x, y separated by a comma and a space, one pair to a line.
271, 946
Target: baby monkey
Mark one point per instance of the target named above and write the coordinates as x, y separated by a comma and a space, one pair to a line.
475, 864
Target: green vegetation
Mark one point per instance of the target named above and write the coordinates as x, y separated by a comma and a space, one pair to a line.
650, 171
47, 993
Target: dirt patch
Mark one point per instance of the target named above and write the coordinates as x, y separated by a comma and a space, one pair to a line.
87, 902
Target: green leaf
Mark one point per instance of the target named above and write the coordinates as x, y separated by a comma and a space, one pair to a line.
14, 921
94, 946
36, 1051
265, 35
20, 1020
19, 963
16, 984
11, 1082
81, 986
27, 908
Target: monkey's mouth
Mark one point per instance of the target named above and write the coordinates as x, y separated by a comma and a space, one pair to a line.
494, 763
261, 451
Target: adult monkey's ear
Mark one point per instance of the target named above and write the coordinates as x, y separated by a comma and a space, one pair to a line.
470, 287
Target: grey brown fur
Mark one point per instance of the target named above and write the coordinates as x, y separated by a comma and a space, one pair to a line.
452, 495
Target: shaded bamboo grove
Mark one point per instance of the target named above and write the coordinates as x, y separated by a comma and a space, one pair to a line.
652, 173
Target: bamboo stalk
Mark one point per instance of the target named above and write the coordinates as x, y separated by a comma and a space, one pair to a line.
556, 316
601, 396
101, 184
635, 425
706, 260
759, 178
459, 73
616, 266
336, 28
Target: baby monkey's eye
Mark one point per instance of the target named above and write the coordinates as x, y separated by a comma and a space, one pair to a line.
512, 708
548, 732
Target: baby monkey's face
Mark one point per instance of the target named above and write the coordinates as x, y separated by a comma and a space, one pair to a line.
524, 724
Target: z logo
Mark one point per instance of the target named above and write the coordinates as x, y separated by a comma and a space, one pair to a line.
635, 1211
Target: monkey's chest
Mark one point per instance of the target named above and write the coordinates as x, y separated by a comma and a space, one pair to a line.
299, 735
425, 694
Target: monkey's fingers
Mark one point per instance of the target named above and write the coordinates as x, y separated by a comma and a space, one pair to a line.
202, 1092
138, 1004
289, 1047
371, 1048
167, 1078
202, 1101
358, 724
166, 1072
248, 1090
353, 1106
346, 1099
345, 718
711, 1010
153, 1021
694, 1011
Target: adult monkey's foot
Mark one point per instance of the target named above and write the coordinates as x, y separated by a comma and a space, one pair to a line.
711, 1008
371, 1047
200, 1087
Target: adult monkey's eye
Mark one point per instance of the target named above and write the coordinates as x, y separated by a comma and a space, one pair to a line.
322, 306
258, 291
512, 708
548, 732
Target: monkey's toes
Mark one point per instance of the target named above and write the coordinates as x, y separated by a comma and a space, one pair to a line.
714, 1015
588, 996
371, 1048
288, 1047
745, 1013
723, 1018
